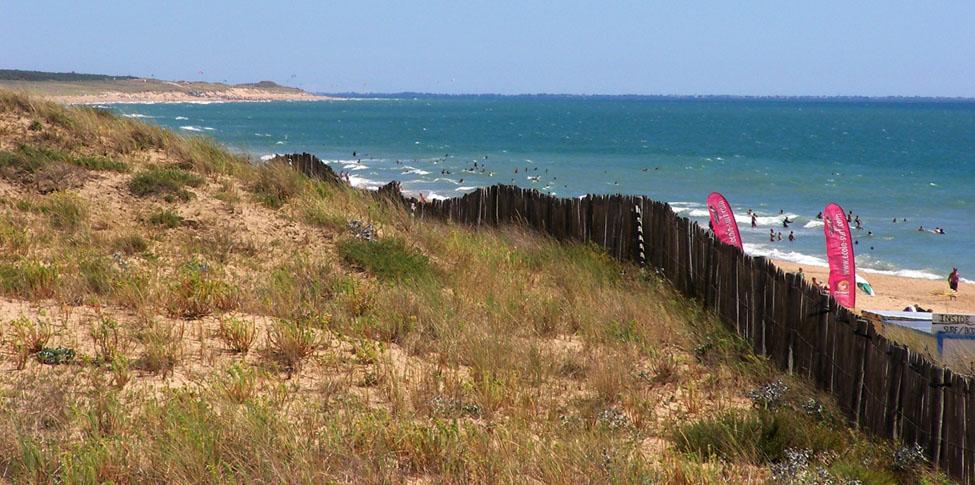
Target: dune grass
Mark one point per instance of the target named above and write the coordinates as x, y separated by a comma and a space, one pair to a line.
246, 335
169, 183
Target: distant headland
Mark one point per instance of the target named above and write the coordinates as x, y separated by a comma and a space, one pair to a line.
76, 88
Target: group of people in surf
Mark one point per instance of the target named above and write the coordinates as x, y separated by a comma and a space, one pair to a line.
777, 236
774, 236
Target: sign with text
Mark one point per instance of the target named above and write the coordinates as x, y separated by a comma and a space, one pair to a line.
952, 323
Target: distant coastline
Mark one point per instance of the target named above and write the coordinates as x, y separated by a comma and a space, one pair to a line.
231, 95
74, 88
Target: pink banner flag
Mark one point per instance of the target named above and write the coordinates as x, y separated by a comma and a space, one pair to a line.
723, 221
839, 252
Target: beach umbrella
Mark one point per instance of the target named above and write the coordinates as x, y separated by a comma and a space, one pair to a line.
864, 285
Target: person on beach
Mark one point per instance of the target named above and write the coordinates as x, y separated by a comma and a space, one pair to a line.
920, 228
754, 220
819, 216
792, 236
778, 237
953, 279
771, 235
785, 222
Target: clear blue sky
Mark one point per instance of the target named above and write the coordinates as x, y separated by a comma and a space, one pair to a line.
823, 47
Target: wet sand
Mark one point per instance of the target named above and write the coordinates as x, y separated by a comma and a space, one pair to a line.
897, 292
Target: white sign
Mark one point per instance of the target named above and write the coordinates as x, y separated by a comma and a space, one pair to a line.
955, 324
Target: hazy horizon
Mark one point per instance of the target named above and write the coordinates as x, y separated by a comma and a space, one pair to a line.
873, 49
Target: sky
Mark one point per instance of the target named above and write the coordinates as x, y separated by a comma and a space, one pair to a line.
823, 47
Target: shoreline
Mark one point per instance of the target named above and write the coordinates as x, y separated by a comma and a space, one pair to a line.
896, 292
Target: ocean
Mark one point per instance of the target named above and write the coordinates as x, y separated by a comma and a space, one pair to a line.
883, 160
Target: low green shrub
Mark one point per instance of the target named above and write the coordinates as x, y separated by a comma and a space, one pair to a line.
757, 437
28, 279
55, 356
30, 159
166, 218
130, 244
96, 162
388, 259
169, 183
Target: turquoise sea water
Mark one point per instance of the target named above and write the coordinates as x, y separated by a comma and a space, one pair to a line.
913, 160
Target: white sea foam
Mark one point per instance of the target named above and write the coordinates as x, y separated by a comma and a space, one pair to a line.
783, 255
408, 170
465, 189
864, 263
679, 207
279, 143
268, 157
191, 128
364, 183
352, 165
137, 115
435, 196
180, 118
812, 224
209, 129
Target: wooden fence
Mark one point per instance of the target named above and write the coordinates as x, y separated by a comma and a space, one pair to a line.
882, 387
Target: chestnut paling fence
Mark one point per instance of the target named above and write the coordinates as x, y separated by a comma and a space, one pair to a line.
883, 387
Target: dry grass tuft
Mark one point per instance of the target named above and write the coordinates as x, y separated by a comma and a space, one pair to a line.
289, 344
237, 334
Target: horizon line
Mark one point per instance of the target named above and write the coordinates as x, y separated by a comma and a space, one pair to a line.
810, 97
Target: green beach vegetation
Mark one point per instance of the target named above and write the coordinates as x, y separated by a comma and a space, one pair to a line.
175, 313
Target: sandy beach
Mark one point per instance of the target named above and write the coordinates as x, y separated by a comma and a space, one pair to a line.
229, 95
897, 292
158, 91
